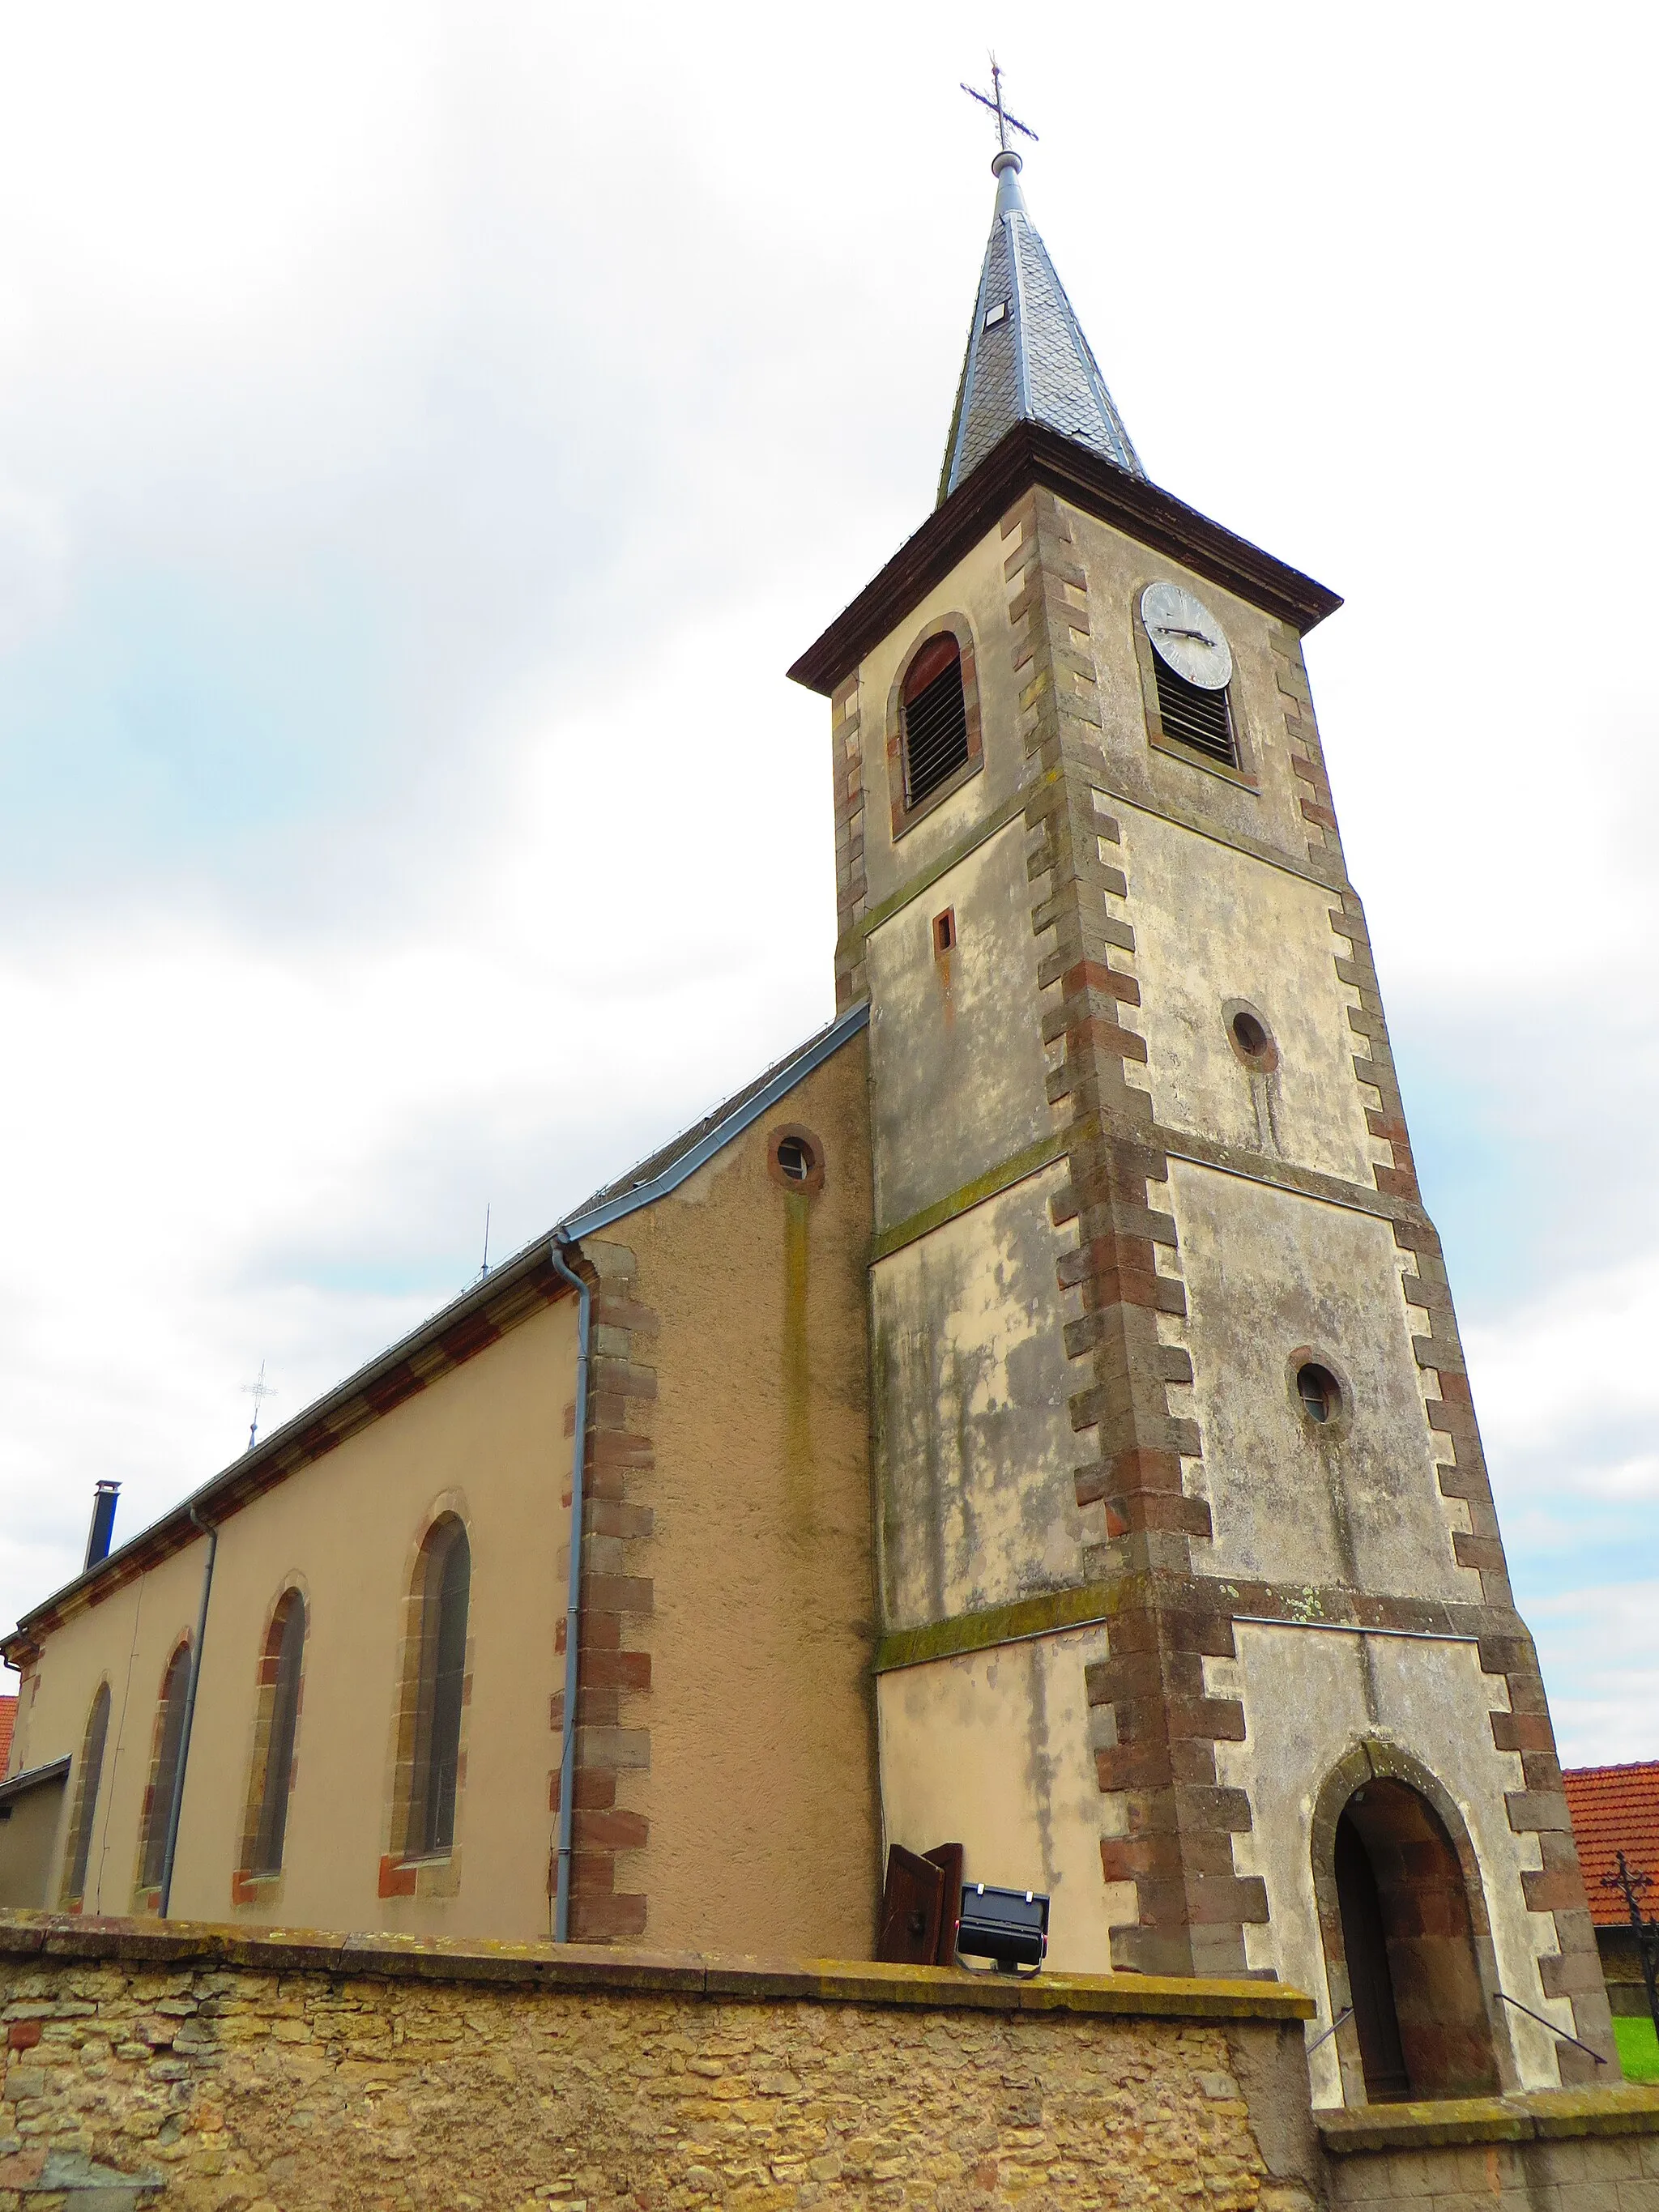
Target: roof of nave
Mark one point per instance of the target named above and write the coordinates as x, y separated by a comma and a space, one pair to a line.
1615, 1808
657, 1174
483, 1313
1027, 359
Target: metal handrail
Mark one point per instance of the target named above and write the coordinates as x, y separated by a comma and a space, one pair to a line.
1347, 2013
1560, 2031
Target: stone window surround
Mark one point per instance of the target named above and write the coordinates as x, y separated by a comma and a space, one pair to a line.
906, 817
1245, 773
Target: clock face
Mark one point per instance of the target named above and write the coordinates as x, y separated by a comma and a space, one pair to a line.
1187, 635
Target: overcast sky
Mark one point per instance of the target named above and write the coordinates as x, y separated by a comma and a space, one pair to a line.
427, 434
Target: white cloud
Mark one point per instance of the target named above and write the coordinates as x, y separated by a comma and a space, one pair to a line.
580, 375
1599, 1649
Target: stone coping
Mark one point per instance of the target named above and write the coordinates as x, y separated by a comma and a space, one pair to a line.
601, 1968
1626, 2108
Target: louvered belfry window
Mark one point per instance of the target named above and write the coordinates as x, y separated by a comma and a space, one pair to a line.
935, 719
1198, 717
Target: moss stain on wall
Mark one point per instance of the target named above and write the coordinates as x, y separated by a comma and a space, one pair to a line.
796, 1358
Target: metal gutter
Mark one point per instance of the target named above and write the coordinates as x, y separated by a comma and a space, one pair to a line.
741, 1117
573, 1597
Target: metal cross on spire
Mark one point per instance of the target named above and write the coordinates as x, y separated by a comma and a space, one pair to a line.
1005, 123
258, 1392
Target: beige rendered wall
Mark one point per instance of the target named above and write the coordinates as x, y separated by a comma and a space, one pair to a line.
126, 1642
1268, 1272
993, 1750
760, 1792
973, 1442
28, 1845
1212, 925
956, 1053
486, 1442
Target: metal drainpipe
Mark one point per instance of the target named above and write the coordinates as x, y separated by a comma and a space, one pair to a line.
209, 1530
574, 1601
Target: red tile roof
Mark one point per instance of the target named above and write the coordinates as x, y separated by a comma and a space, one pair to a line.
1616, 1808
8, 1722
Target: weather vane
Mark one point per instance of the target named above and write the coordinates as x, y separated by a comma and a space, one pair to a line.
1005, 123
258, 1392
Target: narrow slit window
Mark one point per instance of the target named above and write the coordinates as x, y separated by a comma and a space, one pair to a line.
170, 1739
945, 932
280, 1681
86, 1798
935, 719
446, 1591
1202, 719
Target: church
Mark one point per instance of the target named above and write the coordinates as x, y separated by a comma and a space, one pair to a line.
1026, 1425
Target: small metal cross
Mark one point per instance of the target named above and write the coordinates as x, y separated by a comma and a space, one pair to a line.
258, 1392
1630, 1888
1005, 123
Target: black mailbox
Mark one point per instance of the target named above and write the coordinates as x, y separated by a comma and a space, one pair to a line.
1008, 1925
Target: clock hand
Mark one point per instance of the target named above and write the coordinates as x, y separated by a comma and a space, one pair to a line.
1164, 629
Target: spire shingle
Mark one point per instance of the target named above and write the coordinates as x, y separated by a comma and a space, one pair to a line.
1027, 357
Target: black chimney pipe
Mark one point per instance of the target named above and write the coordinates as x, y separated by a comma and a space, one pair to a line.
103, 1524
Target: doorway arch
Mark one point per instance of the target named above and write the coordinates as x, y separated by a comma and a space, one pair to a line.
1408, 1941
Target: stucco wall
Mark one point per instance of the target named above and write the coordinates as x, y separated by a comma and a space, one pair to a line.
761, 1787
29, 1845
1213, 925
486, 1442
957, 1056
973, 1442
1309, 1696
993, 1750
1267, 1272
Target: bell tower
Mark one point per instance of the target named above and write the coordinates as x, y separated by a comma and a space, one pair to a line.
1193, 1606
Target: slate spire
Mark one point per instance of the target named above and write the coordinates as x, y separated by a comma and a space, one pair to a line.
1027, 357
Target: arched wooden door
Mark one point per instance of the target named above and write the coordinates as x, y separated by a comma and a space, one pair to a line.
1414, 1979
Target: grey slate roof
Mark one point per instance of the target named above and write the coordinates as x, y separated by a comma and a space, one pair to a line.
654, 1177
1034, 363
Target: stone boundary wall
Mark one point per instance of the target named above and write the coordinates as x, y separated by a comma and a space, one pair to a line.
212, 2069
1584, 2150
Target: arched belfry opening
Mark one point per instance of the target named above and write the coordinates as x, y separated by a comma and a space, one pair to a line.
1407, 1941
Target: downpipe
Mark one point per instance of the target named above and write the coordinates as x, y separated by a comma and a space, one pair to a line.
573, 1601
209, 1530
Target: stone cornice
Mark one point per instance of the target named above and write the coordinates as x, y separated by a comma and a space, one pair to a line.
1031, 454
1542, 2116
602, 1968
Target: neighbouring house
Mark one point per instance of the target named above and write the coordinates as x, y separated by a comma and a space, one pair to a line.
1616, 1808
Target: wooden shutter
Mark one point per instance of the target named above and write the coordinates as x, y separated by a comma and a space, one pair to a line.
948, 1858
911, 1910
